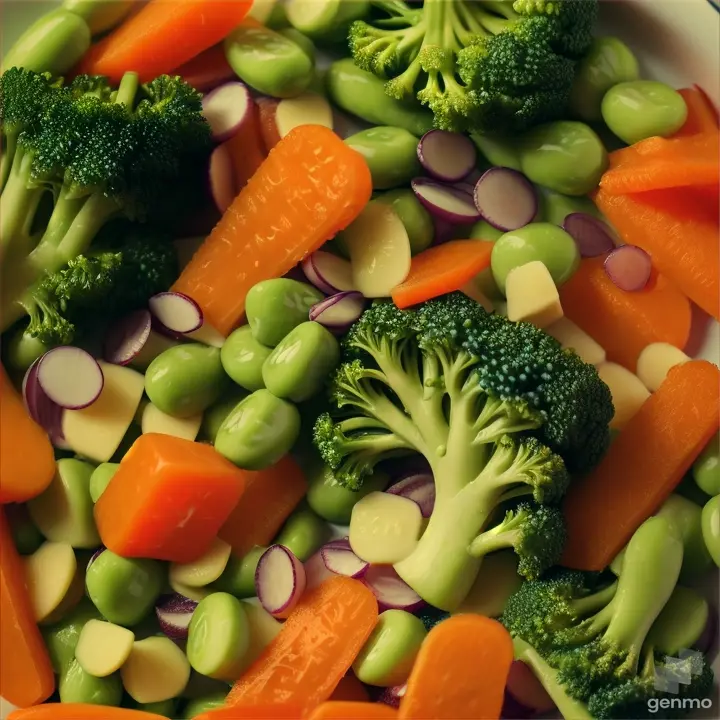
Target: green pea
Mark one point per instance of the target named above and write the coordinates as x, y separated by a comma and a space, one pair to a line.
417, 220
706, 469
267, 61
331, 500
500, 152
186, 379
483, 230
242, 358
389, 653
680, 623
124, 590
259, 431
565, 156
275, 307
536, 241
390, 153
54, 44
554, 207
62, 637
303, 534
164, 708
77, 686
200, 705
608, 62
302, 41
298, 367
100, 15
711, 528
238, 578
64, 511
25, 535
641, 109
100, 479
362, 94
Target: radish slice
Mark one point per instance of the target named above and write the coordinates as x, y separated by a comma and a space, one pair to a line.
174, 614
420, 489
316, 571
447, 155
629, 267
128, 337
328, 273
279, 580
226, 108
70, 377
339, 311
506, 198
95, 556
46, 413
526, 689
220, 177
393, 695
391, 591
592, 236
343, 561
448, 203
176, 311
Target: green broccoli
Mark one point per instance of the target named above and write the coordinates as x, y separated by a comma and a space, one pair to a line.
488, 66
494, 407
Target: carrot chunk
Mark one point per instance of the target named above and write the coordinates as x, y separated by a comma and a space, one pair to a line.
311, 186
343, 710
80, 711
643, 466
702, 116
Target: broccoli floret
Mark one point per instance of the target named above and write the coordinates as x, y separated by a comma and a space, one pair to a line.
490, 65
462, 388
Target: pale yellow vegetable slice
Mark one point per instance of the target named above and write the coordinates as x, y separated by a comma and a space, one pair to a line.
532, 296
308, 108
263, 629
50, 572
194, 593
156, 670
154, 420
103, 647
569, 335
656, 361
203, 571
628, 393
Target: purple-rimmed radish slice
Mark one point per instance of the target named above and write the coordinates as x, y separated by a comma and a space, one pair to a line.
174, 613
70, 377
46, 413
629, 267
221, 179
339, 311
132, 341
592, 236
393, 695
526, 689
391, 591
316, 571
343, 561
328, 273
505, 198
95, 556
226, 108
279, 580
447, 156
446, 202
176, 311
420, 489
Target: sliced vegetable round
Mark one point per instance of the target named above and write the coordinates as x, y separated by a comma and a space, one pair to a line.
447, 155
41, 408
593, 236
279, 580
339, 311
343, 561
127, 337
448, 203
70, 377
420, 489
220, 178
506, 198
226, 108
391, 590
177, 312
629, 267
174, 613
328, 273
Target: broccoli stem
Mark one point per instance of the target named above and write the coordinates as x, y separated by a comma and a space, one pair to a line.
128, 89
500, 537
7, 155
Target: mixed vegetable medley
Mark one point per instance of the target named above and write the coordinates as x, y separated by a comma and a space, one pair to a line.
300, 421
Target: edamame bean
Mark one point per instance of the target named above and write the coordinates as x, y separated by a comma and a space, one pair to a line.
608, 62
238, 578
242, 358
711, 528
303, 533
362, 94
483, 230
77, 686
327, 19
100, 479
536, 241
641, 109
54, 44
267, 61
565, 156
554, 207
416, 219
186, 379
215, 415
680, 623
26, 537
298, 367
706, 469
259, 431
274, 307
390, 153
498, 152
200, 705
124, 590
389, 653
302, 41
62, 637
100, 15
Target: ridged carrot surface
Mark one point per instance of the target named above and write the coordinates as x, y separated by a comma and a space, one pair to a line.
310, 186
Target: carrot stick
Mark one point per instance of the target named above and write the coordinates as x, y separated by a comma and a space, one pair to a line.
460, 671
270, 496
350, 689
643, 466
680, 233
311, 186
624, 323
26, 674
318, 642
442, 269
702, 116
246, 148
275, 711
207, 70
333, 710
162, 36
79, 711
267, 107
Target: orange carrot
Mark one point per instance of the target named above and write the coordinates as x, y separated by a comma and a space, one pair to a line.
168, 499
79, 711
26, 674
624, 323
442, 269
643, 466
460, 671
680, 233
267, 108
162, 36
276, 711
207, 70
350, 689
246, 148
311, 186
270, 496
333, 710
317, 644
27, 462
702, 116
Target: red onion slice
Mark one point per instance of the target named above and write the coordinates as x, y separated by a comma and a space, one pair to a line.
506, 198
338, 311
127, 337
446, 202
226, 108
343, 561
446, 155
279, 580
593, 236
420, 489
70, 377
391, 590
629, 267
176, 311
174, 613
328, 273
